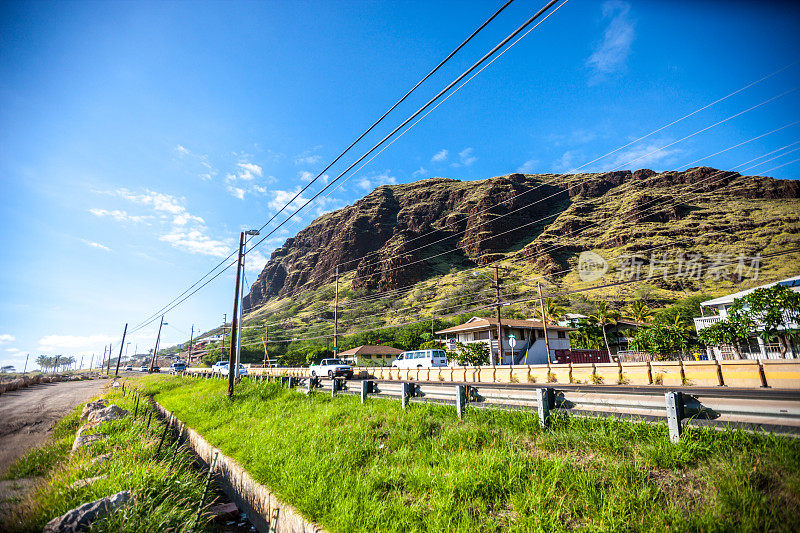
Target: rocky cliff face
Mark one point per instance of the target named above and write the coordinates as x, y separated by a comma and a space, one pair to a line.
401, 234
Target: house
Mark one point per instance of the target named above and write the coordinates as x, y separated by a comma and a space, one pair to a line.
755, 347
371, 355
619, 334
529, 346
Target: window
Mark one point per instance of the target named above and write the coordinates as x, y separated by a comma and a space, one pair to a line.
480, 335
562, 335
539, 334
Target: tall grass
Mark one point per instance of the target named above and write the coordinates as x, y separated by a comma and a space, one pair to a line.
167, 488
375, 467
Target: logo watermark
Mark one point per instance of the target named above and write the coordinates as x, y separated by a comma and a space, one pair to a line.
592, 266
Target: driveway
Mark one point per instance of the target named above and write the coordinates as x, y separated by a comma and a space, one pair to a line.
28, 415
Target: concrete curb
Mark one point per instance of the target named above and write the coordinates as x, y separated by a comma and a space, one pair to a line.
260, 504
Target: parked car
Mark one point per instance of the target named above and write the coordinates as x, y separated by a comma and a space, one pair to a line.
156, 369
129, 368
217, 367
223, 369
332, 368
420, 359
144, 368
178, 367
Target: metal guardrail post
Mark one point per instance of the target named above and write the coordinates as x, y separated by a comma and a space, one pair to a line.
674, 400
407, 392
461, 400
334, 386
366, 388
291, 382
544, 399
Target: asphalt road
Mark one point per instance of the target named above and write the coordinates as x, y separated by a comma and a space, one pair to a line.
28, 415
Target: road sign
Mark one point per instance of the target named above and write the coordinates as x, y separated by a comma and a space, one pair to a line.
512, 341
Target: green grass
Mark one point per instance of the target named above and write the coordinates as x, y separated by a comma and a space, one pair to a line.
167, 489
378, 468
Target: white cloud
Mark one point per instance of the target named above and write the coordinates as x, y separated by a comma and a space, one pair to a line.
249, 171
529, 166
96, 245
185, 218
118, 215
74, 344
610, 54
440, 156
5, 337
568, 161
12, 350
371, 182
646, 154
207, 172
195, 241
237, 192
466, 157
254, 262
307, 176
421, 172
162, 203
280, 198
308, 160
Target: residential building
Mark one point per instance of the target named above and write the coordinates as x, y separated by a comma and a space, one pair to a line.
619, 334
529, 348
371, 355
755, 347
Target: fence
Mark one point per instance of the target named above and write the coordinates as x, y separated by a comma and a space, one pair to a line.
744, 373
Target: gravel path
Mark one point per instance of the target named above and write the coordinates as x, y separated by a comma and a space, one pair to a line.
27, 415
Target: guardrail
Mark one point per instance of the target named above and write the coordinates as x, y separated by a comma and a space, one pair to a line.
744, 373
776, 411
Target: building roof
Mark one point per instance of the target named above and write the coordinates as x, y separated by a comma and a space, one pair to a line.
477, 323
367, 349
792, 283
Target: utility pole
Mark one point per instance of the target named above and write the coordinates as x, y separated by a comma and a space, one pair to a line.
26, 363
103, 360
189, 351
119, 357
232, 356
336, 317
55, 365
108, 369
80, 367
91, 361
224, 320
499, 323
266, 338
544, 321
155, 350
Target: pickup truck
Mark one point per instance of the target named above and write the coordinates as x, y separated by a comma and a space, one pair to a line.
331, 368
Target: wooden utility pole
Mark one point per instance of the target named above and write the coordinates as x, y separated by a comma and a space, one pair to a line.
266, 338
499, 323
26, 363
155, 349
108, 368
91, 361
103, 360
80, 367
336, 317
122, 345
234, 322
544, 322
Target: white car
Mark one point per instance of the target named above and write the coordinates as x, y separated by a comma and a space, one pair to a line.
331, 368
217, 367
420, 359
223, 369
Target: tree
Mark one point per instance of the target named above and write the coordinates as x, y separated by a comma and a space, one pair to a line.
431, 345
661, 340
587, 336
771, 310
7, 369
732, 332
604, 316
552, 311
638, 311
472, 353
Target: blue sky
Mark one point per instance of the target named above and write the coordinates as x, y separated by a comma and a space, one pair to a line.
138, 138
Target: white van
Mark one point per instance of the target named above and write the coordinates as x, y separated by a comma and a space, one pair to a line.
420, 359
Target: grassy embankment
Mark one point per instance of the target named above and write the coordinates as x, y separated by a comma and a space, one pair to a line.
166, 488
377, 468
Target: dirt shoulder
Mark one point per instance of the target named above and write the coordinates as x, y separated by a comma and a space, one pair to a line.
27, 415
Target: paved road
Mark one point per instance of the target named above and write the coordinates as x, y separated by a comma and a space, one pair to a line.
27, 415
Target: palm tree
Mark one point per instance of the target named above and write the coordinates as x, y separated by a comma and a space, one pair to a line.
552, 311
639, 311
604, 317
